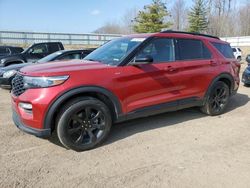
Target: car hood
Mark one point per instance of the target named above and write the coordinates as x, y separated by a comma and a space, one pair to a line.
15, 67
60, 68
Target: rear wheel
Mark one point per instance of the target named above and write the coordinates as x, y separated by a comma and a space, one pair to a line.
217, 100
83, 124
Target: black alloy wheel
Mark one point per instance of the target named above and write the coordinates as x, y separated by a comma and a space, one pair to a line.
83, 124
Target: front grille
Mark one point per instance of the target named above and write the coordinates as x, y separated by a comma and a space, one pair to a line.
18, 85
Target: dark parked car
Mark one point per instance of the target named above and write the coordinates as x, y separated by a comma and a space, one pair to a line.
32, 54
9, 50
8, 73
246, 73
127, 78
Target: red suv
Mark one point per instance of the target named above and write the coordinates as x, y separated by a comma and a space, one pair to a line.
130, 77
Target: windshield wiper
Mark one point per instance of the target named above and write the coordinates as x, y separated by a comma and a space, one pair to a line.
94, 60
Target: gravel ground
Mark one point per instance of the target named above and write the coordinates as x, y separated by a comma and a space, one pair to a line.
178, 149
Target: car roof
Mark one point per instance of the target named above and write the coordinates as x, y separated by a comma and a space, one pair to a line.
180, 34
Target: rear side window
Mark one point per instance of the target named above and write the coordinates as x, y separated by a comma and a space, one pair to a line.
239, 49
54, 47
224, 49
192, 49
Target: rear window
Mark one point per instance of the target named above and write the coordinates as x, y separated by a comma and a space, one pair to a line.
224, 49
192, 49
239, 49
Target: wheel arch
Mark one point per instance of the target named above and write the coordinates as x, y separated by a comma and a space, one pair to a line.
100, 93
224, 77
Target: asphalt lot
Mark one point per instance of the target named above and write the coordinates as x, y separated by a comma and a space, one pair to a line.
178, 149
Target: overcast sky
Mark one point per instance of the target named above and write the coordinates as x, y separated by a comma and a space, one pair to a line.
74, 16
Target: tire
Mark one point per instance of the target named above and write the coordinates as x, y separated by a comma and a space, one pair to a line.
239, 59
217, 100
83, 124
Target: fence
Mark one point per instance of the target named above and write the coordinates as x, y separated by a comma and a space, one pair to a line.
23, 38
238, 41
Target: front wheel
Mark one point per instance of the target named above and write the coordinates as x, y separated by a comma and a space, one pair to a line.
217, 100
83, 124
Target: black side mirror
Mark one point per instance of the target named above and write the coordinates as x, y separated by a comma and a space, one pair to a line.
143, 60
248, 59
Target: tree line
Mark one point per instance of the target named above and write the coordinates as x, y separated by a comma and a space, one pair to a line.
216, 17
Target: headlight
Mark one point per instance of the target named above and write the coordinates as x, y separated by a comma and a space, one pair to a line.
42, 82
9, 73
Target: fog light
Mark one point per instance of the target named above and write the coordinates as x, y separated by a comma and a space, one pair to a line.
25, 106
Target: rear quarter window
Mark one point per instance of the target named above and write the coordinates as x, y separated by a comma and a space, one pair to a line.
224, 49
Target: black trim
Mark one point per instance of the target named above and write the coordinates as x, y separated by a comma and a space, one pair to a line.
135, 51
191, 33
42, 133
216, 79
53, 108
162, 108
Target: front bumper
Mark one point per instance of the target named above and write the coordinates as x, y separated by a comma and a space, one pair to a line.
42, 133
246, 78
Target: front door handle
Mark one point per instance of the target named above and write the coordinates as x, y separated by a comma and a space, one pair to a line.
170, 69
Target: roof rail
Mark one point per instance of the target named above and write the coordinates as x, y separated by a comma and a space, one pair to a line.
191, 33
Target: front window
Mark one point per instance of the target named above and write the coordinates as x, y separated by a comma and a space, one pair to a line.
115, 51
39, 49
4, 51
50, 57
160, 50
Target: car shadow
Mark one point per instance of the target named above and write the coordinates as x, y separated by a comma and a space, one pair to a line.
126, 129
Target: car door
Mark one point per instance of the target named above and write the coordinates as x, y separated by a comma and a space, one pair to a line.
36, 52
197, 64
159, 82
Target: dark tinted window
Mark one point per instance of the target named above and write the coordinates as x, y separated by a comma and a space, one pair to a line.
161, 50
234, 50
239, 49
54, 47
70, 56
4, 51
224, 49
191, 49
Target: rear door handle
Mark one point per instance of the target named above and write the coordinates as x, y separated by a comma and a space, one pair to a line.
213, 63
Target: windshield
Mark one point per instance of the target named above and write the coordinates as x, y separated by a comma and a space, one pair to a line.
50, 57
113, 52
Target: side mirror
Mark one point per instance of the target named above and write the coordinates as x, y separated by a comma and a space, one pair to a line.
248, 59
143, 60
31, 51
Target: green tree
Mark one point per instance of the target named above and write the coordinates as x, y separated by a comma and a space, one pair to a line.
197, 17
152, 18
